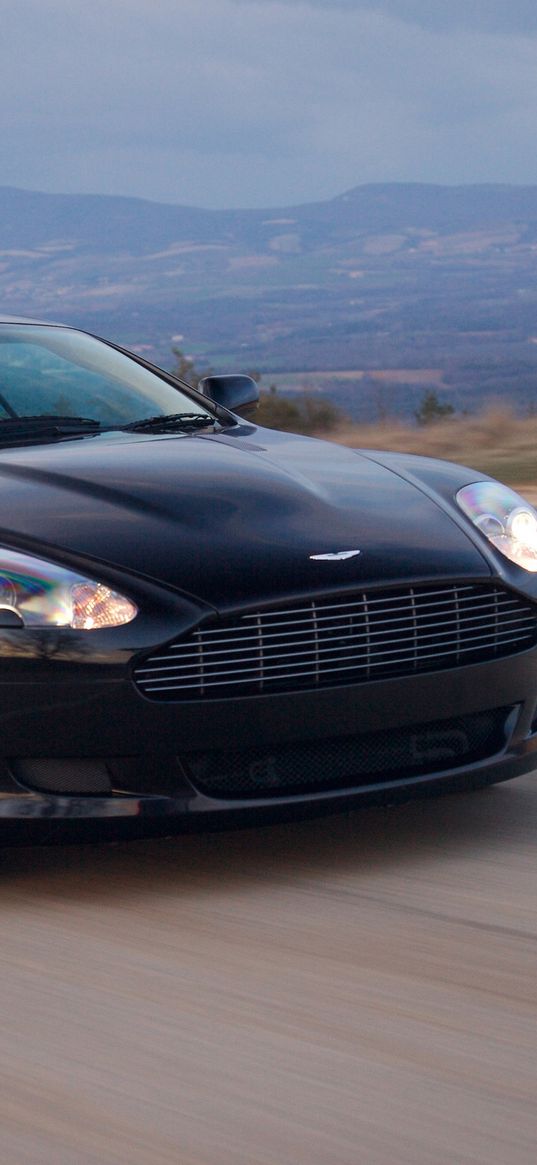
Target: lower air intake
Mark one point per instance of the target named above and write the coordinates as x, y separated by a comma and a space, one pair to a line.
347, 761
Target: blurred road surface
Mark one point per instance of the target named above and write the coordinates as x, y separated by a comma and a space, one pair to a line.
357, 990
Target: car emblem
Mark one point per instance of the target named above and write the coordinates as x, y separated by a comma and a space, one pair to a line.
336, 557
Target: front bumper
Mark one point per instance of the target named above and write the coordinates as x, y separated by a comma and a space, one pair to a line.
138, 745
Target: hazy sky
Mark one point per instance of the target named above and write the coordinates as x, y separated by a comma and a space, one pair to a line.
265, 102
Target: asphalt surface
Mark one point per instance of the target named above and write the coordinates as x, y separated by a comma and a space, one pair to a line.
352, 990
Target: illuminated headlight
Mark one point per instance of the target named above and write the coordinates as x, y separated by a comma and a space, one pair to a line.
508, 521
36, 593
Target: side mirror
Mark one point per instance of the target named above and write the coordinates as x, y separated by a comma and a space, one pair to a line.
239, 394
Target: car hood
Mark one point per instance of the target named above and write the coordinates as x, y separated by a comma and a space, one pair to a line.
231, 518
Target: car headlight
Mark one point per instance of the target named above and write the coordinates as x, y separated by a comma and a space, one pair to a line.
37, 593
508, 521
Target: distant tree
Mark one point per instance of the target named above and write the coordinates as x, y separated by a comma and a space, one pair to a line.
304, 413
431, 409
185, 368
277, 412
319, 414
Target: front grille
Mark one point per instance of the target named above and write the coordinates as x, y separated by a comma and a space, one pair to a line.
342, 640
350, 761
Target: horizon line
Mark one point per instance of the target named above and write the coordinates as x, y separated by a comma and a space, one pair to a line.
393, 183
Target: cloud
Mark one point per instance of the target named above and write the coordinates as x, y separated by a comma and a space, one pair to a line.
262, 102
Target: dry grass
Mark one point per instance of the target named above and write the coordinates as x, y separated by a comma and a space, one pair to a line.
495, 442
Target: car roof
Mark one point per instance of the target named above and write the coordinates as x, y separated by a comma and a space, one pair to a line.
4, 319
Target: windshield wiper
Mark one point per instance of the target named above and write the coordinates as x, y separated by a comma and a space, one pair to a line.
46, 424
171, 421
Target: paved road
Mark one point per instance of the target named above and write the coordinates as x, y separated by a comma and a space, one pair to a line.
354, 991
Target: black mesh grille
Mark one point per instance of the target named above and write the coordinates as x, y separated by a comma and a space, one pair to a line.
346, 761
342, 640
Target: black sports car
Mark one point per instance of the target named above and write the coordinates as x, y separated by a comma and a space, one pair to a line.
203, 621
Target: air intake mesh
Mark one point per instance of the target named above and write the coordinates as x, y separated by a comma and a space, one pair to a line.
347, 761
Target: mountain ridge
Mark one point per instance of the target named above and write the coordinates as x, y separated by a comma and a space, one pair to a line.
377, 202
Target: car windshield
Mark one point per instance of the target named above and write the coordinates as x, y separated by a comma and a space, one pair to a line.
54, 371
